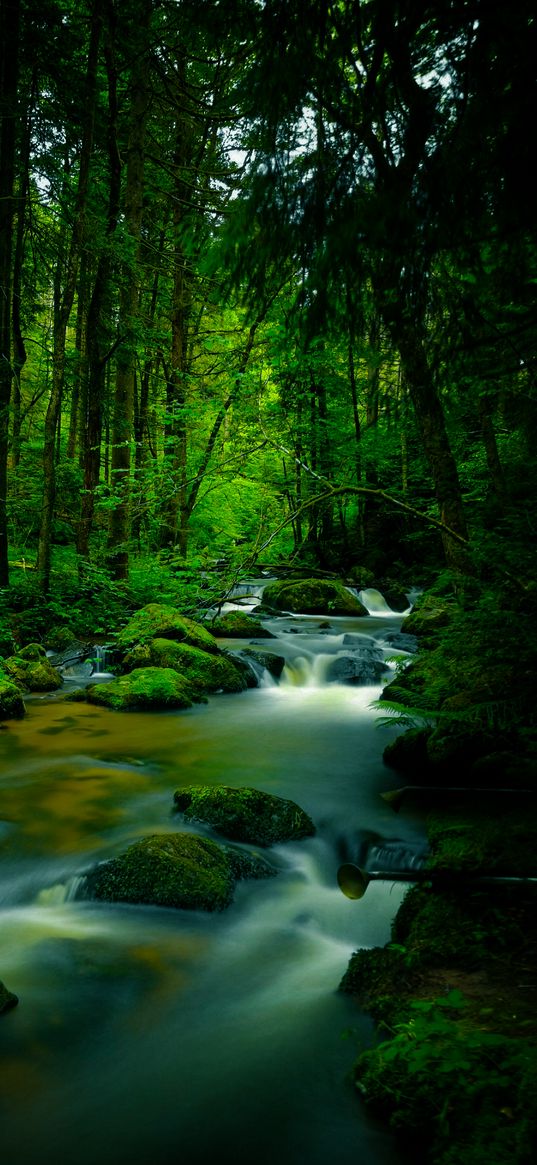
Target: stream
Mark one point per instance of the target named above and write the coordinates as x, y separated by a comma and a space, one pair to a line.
146, 1035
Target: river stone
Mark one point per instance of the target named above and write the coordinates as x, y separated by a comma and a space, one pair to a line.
180, 870
353, 669
312, 596
402, 642
204, 671
244, 814
31, 669
239, 625
12, 705
7, 999
160, 621
266, 659
146, 688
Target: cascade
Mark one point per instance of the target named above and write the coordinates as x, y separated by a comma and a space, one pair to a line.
126, 1004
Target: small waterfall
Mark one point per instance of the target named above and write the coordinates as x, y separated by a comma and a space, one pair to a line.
61, 892
374, 602
99, 660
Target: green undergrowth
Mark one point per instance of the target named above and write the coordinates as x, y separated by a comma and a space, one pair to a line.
454, 1071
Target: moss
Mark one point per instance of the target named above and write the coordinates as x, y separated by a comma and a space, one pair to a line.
11, 700
480, 843
408, 752
245, 814
146, 688
31, 670
7, 999
237, 624
311, 597
203, 671
159, 621
177, 870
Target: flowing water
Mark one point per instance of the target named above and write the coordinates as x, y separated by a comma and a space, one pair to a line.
152, 1035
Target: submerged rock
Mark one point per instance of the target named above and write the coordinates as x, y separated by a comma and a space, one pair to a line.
237, 624
180, 870
160, 621
7, 999
312, 596
205, 672
12, 705
151, 688
245, 814
31, 669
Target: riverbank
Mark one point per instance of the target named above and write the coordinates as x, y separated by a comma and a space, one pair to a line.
453, 995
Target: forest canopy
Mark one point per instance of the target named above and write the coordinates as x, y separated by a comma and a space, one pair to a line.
268, 286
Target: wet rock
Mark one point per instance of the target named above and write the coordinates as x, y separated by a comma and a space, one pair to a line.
237, 624
312, 596
266, 660
7, 999
31, 670
402, 642
146, 688
74, 653
205, 672
352, 669
364, 646
245, 814
180, 870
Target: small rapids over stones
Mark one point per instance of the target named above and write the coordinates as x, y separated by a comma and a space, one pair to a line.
149, 1034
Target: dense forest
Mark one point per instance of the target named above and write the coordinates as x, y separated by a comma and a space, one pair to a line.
269, 275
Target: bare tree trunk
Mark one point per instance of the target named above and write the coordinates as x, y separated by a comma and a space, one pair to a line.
9, 46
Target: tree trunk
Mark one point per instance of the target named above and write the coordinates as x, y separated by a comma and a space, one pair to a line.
63, 310
9, 47
129, 292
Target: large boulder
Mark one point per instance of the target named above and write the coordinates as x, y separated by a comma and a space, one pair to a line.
31, 670
429, 615
205, 672
11, 700
244, 814
312, 596
354, 670
180, 870
146, 689
160, 621
239, 625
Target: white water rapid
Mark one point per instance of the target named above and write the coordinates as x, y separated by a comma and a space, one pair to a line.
147, 1036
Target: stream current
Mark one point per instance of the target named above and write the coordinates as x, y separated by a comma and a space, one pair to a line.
146, 1035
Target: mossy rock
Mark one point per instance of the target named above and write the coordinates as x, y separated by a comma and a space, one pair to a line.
484, 843
159, 621
7, 999
59, 637
11, 700
204, 672
408, 752
245, 814
428, 615
180, 870
312, 596
239, 625
273, 663
145, 689
31, 669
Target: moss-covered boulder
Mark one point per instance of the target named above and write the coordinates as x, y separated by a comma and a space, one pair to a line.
11, 699
429, 615
204, 671
312, 596
146, 689
7, 999
239, 625
245, 814
160, 621
180, 870
32, 671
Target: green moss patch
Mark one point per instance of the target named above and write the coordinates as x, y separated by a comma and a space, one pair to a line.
237, 624
31, 670
11, 701
149, 688
203, 671
180, 870
159, 621
245, 814
312, 596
